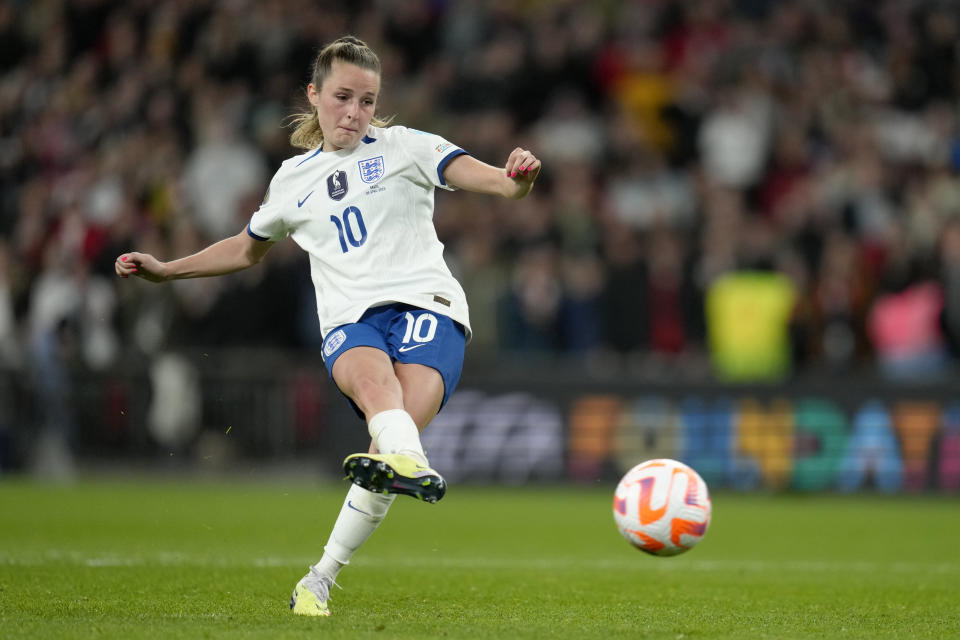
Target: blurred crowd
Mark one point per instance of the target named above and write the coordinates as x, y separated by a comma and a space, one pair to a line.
684, 141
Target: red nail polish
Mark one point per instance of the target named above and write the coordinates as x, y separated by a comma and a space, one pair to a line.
522, 169
124, 258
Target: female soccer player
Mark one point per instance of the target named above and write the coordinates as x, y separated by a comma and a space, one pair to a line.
394, 320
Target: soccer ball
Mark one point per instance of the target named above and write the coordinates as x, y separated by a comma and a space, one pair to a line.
662, 507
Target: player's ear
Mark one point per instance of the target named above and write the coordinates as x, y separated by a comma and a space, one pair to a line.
313, 95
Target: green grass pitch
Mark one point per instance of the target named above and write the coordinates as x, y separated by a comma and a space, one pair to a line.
137, 558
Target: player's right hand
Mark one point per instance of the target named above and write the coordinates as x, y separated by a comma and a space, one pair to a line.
142, 265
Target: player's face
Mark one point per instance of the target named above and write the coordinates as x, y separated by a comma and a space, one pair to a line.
345, 104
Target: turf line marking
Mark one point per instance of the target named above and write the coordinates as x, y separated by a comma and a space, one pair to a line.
665, 565
181, 559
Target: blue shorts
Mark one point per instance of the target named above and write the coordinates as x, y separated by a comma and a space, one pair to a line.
407, 334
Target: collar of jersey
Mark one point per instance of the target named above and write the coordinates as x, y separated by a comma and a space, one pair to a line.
364, 140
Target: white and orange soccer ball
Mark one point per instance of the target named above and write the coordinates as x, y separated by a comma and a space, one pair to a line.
662, 507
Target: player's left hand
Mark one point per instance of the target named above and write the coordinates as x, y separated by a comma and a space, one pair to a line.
522, 166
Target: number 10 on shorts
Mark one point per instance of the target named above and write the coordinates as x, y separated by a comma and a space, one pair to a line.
420, 329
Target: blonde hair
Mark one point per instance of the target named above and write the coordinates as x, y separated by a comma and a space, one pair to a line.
307, 133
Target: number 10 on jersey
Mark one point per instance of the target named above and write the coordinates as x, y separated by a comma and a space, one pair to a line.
349, 227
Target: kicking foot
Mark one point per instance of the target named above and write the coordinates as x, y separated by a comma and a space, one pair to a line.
394, 473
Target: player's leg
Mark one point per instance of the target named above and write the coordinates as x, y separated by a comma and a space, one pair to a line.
428, 352
361, 514
367, 376
398, 366
400, 472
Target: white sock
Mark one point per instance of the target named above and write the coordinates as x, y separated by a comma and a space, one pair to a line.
394, 431
361, 514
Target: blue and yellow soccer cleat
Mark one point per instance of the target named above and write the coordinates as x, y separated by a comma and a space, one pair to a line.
310, 596
394, 473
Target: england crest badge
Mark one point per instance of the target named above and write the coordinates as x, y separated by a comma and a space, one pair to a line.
371, 169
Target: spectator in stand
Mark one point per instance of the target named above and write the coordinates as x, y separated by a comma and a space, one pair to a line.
950, 279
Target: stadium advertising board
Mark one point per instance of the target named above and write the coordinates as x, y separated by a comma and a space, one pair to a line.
736, 441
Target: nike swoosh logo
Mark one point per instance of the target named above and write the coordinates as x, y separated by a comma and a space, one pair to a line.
350, 504
300, 202
405, 349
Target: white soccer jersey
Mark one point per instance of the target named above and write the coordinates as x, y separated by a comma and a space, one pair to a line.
365, 217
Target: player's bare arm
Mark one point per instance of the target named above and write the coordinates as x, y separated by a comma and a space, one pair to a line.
514, 180
230, 254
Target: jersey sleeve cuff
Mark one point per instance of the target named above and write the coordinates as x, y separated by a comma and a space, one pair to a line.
446, 160
255, 236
